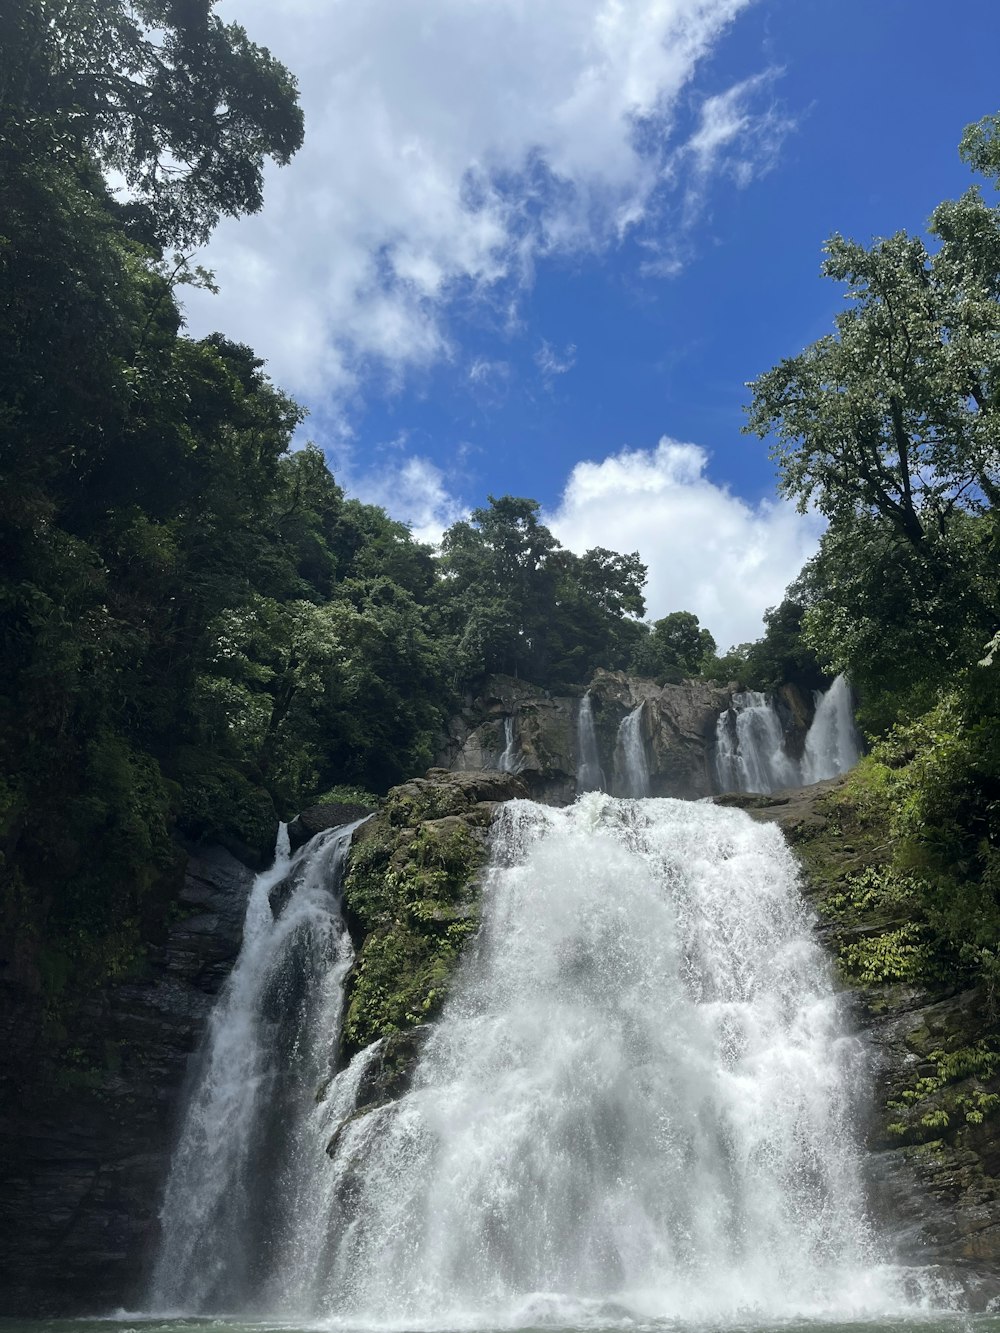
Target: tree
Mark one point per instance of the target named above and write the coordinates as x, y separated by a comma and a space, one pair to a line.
890, 426
519, 603
676, 647
183, 105
896, 414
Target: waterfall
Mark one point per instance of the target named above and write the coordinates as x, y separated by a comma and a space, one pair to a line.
632, 772
509, 762
832, 744
589, 774
750, 747
750, 750
244, 1165
639, 1101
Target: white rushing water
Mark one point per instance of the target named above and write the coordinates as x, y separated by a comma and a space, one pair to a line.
833, 744
589, 774
640, 1099
631, 763
245, 1163
750, 753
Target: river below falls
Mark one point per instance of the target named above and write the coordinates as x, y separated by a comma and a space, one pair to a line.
930, 1323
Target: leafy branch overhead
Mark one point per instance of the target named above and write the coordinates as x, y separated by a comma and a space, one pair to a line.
182, 105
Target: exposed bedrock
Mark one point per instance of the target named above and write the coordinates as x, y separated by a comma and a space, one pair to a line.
678, 724
88, 1129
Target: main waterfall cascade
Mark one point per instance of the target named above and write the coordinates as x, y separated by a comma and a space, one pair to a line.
750, 754
640, 1099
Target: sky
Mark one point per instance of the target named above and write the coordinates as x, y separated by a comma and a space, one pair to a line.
540, 248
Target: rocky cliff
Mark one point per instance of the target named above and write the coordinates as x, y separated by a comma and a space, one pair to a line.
515, 725
89, 1136
88, 1129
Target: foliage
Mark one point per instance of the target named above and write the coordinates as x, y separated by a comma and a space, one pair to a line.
675, 647
412, 901
889, 426
519, 604
197, 629
184, 106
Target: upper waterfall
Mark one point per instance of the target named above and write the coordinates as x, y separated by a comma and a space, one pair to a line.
833, 744
589, 774
750, 748
631, 763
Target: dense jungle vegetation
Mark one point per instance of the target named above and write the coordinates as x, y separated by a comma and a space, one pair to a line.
198, 629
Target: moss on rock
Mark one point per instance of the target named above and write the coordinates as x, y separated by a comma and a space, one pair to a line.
411, 898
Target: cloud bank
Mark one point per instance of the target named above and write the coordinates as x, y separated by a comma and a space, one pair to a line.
452, 146
708, 551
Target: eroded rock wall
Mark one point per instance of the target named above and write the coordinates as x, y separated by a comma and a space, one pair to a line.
87, 1133
678, 726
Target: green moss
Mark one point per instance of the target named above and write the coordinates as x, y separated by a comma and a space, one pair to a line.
411, 897
893, 955
344, 794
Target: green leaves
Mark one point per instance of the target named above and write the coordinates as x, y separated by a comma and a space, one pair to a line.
518, 603
185, 107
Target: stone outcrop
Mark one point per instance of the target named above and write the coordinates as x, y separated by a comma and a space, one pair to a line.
316, 818
411, 898
88, 1133
678, 726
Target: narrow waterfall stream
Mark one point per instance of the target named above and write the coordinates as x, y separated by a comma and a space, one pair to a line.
245, 1163
509, 761
631, 763
640, 1101
589, 774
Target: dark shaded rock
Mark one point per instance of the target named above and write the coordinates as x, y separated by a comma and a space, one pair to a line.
316, 818
389, 1074
796, 811
87, 1132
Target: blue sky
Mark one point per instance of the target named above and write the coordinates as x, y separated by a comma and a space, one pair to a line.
539, 249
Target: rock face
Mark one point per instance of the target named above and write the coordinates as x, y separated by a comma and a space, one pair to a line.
88, 1139
411, 899
677, 722
935, 1051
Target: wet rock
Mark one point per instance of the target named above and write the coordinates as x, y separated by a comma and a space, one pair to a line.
87, 1135
316, 818
678, 725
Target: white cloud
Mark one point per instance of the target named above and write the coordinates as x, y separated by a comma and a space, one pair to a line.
413, 491
708, 551
450, 146
552, 363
